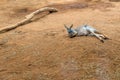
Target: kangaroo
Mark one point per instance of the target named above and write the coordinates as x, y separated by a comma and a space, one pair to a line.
85, 30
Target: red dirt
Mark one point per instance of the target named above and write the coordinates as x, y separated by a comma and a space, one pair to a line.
41, 50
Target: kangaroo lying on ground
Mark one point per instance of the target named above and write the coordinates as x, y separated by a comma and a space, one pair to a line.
85, 30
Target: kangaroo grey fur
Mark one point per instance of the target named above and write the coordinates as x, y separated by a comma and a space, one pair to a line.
85, 30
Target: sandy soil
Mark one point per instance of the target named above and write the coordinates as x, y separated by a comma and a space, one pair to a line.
41, 50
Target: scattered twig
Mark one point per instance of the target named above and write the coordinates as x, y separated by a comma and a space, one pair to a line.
27, 19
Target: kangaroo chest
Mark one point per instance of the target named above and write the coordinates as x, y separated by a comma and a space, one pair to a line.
81, 31
85, 30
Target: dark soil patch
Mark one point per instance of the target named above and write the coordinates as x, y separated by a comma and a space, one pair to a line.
114, 0
83, 5
101, 5
70, 6
20, 12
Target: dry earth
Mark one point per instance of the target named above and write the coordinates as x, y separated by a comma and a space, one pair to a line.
41, 50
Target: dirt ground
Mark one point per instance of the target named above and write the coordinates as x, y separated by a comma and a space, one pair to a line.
41, 50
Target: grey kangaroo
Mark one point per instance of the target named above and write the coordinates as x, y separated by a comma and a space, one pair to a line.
85, 30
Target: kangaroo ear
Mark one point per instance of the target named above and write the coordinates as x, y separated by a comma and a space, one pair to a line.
65, 26
71, 26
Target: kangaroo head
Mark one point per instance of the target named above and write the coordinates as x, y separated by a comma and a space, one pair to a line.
71, 32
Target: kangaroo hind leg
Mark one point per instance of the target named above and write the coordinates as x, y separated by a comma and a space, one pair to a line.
104, 37
98, 36
101, 35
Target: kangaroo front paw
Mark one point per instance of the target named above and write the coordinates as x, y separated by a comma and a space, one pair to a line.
102, 41
106, 38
